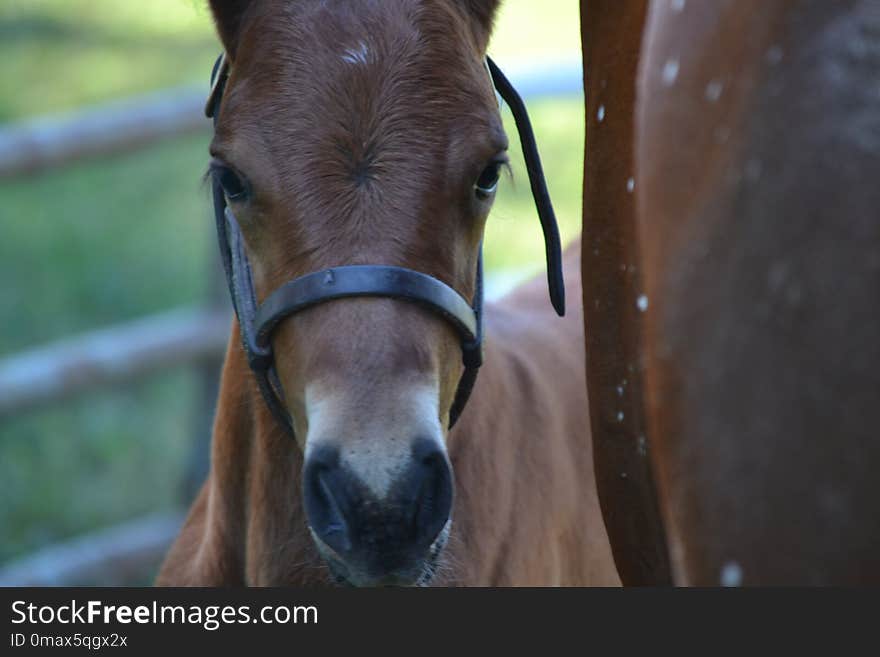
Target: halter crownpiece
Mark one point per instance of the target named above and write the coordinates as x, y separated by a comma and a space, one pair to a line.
258, 322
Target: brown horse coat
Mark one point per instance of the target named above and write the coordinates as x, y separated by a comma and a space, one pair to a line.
526, 510
751, 313
369, 133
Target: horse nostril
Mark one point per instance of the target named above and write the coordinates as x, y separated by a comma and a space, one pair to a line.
433, 500
325, 510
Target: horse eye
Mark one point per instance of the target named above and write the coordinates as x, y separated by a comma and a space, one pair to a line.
233, 186
487, 183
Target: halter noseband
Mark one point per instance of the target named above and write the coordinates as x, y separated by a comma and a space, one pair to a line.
258, 322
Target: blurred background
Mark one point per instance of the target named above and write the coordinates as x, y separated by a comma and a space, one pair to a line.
113, 314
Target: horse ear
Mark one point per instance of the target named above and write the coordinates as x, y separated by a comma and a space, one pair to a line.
228, 17
484, 13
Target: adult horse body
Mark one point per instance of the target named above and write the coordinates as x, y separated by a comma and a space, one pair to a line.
365, 137
744, 278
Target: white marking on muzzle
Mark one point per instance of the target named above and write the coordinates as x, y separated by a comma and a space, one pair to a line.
374, 433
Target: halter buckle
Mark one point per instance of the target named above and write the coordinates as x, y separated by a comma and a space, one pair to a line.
472, 354
259, 360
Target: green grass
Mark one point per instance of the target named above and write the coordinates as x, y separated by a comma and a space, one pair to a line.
101, 459
60, 54
122, 237
104, 241
513, 237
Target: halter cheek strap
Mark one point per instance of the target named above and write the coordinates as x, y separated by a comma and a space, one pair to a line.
258, 322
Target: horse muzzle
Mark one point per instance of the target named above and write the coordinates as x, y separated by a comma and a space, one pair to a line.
368, 541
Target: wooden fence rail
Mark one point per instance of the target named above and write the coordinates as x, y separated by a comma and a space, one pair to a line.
115, 355
121, 555
51, 141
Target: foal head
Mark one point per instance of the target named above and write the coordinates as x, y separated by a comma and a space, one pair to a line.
352, 133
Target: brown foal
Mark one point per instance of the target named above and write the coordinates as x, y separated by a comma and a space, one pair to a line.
369, 133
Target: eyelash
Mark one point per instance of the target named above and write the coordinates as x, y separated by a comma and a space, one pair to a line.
234, 185
487, 182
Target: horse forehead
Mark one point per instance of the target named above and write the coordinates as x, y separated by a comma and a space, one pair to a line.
302, 31
367, 58
360, 102
359, 126
309, 49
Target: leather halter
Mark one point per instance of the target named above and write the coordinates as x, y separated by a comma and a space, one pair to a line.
258, 321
